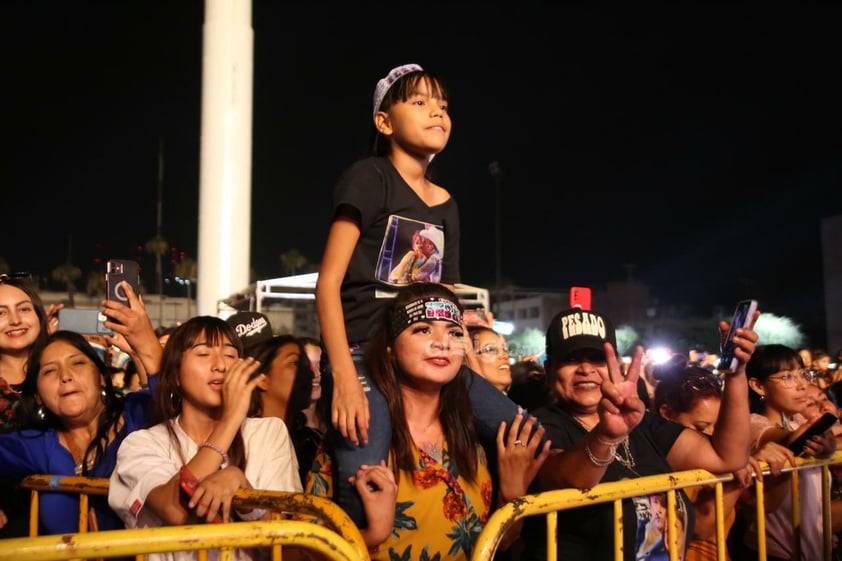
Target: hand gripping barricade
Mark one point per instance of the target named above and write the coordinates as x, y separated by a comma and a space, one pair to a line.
310, 515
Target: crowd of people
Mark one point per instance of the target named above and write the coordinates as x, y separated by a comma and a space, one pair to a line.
416, 421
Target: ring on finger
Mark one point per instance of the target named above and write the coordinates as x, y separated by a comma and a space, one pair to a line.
520, 443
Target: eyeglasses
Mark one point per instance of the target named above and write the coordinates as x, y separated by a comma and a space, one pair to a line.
703, 384
493, 350
6, 277
791, 379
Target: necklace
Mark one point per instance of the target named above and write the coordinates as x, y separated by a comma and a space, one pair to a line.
430, 444
78, 468
434, 450
626, 459
75, 453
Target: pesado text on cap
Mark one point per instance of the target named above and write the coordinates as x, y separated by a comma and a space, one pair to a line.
582, 323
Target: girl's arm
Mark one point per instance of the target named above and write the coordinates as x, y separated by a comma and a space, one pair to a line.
349, 410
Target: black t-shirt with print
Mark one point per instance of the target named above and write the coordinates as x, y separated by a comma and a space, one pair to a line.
587, 533
389, 214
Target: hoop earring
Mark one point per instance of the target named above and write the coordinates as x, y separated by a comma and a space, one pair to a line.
104, 395
175, 401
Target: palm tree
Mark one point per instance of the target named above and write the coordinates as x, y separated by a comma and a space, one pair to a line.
68, 274
292, 261
96, 283
158, 247
188, 270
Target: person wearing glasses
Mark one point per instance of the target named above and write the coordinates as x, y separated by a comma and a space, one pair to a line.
778, 384
602, 432
691, 395
492, 356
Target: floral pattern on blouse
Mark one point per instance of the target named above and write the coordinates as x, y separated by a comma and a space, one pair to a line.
438, 515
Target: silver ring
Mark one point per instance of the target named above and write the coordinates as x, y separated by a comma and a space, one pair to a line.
520, 443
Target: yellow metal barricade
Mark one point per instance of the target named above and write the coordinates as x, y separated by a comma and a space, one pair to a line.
549, 503
82, 486
285, 505
305, 506
277, 534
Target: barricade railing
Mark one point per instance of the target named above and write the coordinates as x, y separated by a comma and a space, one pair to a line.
283, 505
279, 535
82, 486
549, 503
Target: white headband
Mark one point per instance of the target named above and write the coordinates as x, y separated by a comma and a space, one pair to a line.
384, 84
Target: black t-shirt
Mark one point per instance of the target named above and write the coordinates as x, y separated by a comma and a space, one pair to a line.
391, 217
587, 533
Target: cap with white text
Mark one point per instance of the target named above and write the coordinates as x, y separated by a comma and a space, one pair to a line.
576, 329
251, 327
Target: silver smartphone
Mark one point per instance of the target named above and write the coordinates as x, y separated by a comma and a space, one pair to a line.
86, 322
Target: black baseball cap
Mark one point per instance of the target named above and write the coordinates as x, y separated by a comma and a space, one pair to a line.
251, 327
575, 329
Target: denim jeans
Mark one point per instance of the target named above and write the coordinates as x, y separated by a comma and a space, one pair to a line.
490, 405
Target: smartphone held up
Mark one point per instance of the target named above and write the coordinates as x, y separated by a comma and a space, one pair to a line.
743, 316
119, 270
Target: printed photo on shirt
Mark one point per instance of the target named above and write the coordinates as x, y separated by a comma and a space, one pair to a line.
412, 251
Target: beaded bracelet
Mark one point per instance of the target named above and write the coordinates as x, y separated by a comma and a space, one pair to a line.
218, 450
596, 461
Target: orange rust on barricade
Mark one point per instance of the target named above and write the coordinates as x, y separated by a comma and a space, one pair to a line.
549, 503
316, 508
226, 537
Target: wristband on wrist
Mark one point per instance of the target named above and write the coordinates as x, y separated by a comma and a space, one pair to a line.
218, 450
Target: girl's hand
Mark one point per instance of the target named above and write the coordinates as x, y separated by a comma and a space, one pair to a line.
745, 477
213, 495
349, 412
776, 455
821, 445
518, 456
52, 324
237, 387
379, 493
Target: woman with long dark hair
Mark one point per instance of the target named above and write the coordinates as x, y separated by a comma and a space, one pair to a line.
72, 423
204, 441
434, 493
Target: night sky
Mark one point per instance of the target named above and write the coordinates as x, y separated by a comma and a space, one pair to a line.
697, 146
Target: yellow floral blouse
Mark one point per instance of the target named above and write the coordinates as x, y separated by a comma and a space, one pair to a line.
438, 514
